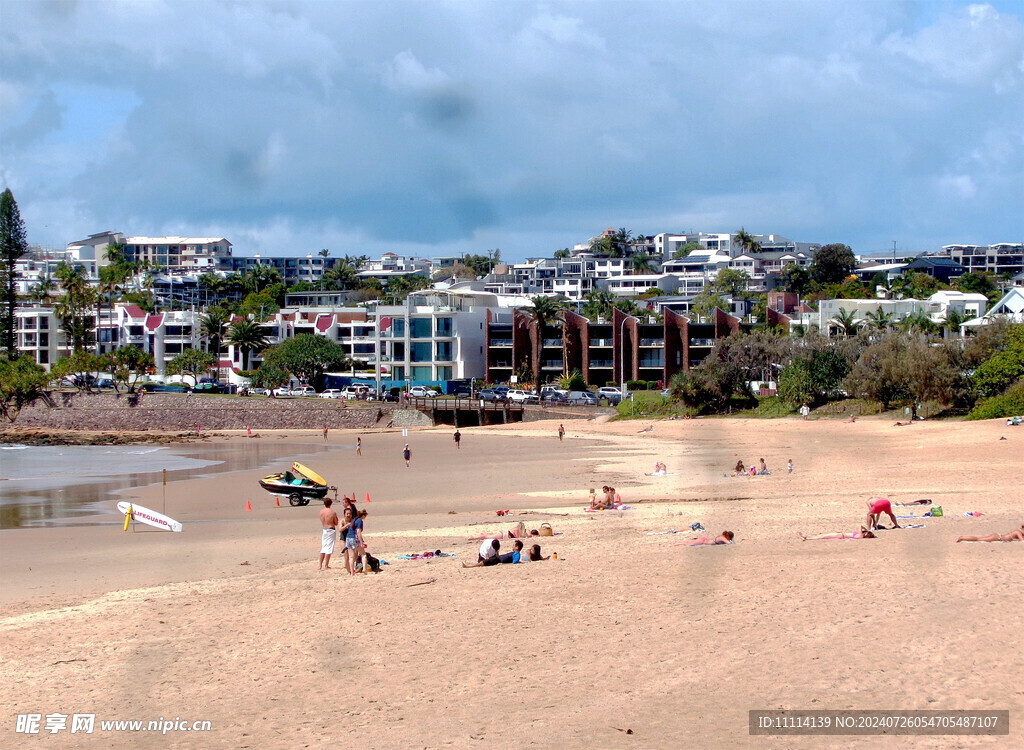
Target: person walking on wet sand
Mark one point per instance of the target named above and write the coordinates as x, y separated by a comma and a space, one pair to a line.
359, 446
325, 433
329, 526
407, 454
458, 439
561, 432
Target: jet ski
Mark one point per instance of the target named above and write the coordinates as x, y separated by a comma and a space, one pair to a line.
300, 485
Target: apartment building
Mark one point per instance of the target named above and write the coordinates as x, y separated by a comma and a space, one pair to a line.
178, 252
1000, 258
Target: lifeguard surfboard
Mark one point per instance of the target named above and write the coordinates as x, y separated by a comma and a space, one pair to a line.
145, 515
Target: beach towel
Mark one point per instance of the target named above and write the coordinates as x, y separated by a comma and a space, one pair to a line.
974, 513
426, 555
694, 527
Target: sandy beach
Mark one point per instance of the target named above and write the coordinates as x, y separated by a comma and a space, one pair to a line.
231, 622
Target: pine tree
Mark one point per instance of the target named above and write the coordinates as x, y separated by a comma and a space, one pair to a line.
12, 246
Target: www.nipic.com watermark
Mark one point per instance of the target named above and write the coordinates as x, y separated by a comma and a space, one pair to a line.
86, 724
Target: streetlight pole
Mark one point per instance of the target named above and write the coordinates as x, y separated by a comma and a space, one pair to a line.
622, 356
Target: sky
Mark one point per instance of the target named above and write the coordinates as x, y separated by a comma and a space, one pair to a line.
437, 128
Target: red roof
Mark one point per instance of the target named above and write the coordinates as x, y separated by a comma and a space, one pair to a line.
134, 311
324, 321
154, 321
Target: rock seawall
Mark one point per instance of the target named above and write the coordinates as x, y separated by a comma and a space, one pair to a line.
169, 412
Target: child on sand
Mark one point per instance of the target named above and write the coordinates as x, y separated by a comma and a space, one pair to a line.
789, 466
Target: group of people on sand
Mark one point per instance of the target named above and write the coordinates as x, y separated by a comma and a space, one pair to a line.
351, 530
877, 506
755, 470
610, 499
491, 554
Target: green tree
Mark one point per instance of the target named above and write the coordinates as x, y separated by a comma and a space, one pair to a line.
260, 278
261, 307
597, 304
247, 336
845, 321
1004, 366
211, 326
731, 282
130, 365
832, 264
572, 382
22, 381
271, 376
704, 304
307, 357
191, 363
879, 320
13, 244
796, 279
563, 253
41, 291
979, 282
642, 263
544, 311
79, 365
75, 305
746, 241
684, 250
880, 373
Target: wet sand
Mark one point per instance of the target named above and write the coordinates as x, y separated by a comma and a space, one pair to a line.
625, 630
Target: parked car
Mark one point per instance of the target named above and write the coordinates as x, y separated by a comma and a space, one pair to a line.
303, 390
554, 398
614, 395
522, 397
461, 391
105, 383
352, 392
331, 393
488, 394
259, 392
422, 391
284, 390
502, 390
583, 398
208, 388
390, 397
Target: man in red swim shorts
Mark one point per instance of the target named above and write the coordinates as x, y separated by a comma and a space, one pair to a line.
877, 506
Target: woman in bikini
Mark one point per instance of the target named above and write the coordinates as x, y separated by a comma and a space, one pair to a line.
862, 534
516, 532
725, 537
1017, 535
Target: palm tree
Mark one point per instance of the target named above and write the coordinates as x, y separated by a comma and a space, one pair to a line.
642, 263
41, 291
598, 303
247, 336
844, 320
919, 321
78, 297
747, 242
879, 320
544, 311
212, 326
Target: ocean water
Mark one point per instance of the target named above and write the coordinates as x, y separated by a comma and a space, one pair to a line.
47, 485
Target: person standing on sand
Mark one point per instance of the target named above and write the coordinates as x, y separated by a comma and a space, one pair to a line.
561, 432
359, 446
789, 466
458, 439
325, 433
407, 454
329, 525
804, 411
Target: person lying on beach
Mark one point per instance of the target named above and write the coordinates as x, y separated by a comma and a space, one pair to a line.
535, 555
489, 549
516, 532
1017, 535
876, 507
862, 534
926, 501
725, 537
509, 558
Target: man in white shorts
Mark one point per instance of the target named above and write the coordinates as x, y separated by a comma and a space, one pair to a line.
329, 523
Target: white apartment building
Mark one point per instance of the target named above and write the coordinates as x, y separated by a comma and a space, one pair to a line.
1002, 257
178, 252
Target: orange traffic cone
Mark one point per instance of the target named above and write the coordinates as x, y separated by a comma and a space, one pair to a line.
277, 502
367, 497
248, 505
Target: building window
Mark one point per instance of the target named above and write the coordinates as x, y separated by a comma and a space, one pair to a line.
399, 327
420, 373
444, 351
420, 352
419, 328
444, 373
444, 326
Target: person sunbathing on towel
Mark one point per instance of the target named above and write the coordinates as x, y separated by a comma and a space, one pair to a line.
862, 534
1017, 535
516, 532
725, 537
926, 501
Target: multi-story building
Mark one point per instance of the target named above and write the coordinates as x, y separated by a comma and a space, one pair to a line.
293, 269
178, 252
1003, 257
603, 351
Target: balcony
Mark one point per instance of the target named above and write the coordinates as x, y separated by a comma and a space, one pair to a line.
552, 364
702, 342
502, 363
600, 342
557, 343
608, 363
504, 343
652, 342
